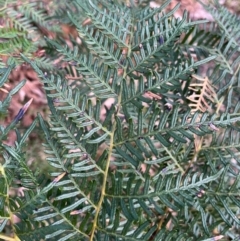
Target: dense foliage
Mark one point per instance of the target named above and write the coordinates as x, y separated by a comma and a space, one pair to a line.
142, 139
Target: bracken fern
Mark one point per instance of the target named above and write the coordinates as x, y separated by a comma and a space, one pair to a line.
131, 156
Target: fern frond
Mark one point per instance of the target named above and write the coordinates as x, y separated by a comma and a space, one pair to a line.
128, 158
148, 14
45, 63
98, 76
6, 102
14, 166
20, 23
26, 176
111, 22
38, 16
159, 83
99, 43
202, 93
24, 25
161, 140
164, 195
227, 22
210, 38
15, 45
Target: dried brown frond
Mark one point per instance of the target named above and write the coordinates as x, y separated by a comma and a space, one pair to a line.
202, 95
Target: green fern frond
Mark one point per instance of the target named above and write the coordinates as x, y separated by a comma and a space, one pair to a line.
9, 33
113, 22
96, 75
99, 43
20, 23
214, 44
45, 63
228, 23
15, 45
24, 25
38, 16
5, 72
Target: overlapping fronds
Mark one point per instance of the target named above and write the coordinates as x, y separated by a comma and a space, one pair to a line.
38, 16
24, 26
139, 146
227, 22
100, 78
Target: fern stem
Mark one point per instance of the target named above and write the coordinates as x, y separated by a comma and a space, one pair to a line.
8, 208
174, 159
198, 148
103, 185
4, 237
229, 88
111, 147
159, 226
